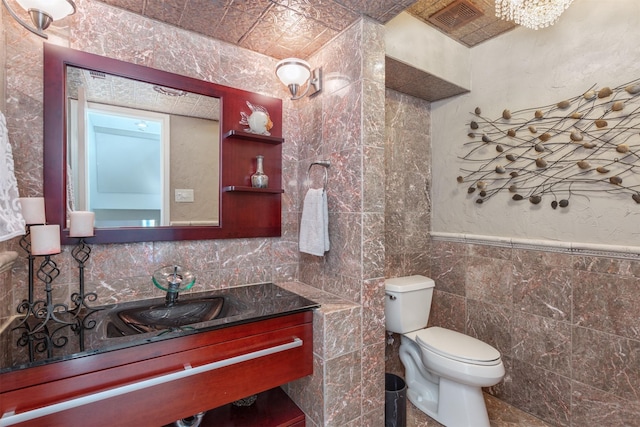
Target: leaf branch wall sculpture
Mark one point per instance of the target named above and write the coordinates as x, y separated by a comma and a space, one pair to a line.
576, 147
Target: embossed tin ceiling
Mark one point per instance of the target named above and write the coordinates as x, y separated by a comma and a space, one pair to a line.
481, 28
278, 28
283, 28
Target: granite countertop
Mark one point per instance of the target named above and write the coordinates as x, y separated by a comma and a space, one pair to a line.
57, 342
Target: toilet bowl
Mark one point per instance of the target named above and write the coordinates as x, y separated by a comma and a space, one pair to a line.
445, 370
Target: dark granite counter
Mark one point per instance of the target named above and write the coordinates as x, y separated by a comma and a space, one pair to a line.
97, 331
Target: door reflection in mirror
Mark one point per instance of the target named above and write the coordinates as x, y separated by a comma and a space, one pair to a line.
134, 151
117, 164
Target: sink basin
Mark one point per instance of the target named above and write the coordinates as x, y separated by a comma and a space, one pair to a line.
158, 316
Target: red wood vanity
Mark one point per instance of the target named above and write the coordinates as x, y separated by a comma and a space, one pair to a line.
156, 383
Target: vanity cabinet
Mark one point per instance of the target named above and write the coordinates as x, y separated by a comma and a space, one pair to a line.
156, 383
260, 413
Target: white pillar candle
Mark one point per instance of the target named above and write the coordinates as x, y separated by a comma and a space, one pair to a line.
33, 210
45, 239
81, 223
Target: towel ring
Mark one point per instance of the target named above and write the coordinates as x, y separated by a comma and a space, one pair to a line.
324, 163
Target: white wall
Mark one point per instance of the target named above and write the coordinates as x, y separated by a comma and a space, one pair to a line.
409, 40
595, 42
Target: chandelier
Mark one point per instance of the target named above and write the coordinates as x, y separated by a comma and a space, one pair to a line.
532, 14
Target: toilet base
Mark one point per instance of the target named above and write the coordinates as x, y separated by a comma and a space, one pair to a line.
450, 403
451, 397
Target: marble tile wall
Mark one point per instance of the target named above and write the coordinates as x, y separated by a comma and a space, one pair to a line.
344, 125
347, 387
407, 200
407, 185
565, 324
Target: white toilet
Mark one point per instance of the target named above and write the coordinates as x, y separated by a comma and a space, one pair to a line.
444, 370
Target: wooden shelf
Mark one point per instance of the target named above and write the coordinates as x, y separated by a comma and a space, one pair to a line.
273, 408
254, 137
244, 189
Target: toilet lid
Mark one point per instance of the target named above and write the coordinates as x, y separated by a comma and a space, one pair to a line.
457, 346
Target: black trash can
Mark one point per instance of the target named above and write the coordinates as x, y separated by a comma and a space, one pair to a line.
395, 401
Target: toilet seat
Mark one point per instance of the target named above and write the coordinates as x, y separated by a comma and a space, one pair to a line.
456, 346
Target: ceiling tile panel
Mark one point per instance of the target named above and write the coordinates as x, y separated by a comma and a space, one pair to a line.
328, 12
377, 9
389, 14
134, 6
169, 11
317, 43
425, 9
273, 25
279, 17
308, 29
292, 41
202, 17
252, 7
235, 25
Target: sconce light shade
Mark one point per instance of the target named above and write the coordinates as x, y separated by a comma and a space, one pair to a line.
42, 12
294, 73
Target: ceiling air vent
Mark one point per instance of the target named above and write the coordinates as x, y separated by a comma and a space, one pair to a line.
97, 74
455, 15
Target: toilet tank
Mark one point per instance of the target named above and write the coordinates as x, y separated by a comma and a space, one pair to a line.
407, 303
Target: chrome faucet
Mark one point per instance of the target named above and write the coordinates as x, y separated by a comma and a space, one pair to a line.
173, 279
172, 291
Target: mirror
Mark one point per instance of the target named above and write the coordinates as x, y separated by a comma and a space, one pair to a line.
118, 155
140, 154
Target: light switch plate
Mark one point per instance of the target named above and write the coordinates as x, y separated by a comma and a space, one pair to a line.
184, 195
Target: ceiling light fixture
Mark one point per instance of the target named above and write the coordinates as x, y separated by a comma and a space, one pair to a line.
532, 14
168, 91
294, 73
42, 12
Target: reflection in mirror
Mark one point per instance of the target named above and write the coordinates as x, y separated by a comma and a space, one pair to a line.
140, 154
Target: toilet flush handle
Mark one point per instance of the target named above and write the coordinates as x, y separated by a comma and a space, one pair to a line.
391, 297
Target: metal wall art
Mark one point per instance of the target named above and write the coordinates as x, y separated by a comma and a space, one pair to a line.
580, 146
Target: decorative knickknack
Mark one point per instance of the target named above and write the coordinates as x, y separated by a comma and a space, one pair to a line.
574, 148
259, 121
259, 179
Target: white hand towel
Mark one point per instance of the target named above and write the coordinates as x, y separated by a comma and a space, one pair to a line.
314, 226
11, 220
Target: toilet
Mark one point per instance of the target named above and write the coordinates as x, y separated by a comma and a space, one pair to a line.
444, 370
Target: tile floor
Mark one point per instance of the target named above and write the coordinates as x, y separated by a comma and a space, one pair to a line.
501, 414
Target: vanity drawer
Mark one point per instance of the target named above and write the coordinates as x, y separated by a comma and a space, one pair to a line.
181, 376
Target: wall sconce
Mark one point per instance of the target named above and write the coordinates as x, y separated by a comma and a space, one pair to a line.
42, 12
294, 73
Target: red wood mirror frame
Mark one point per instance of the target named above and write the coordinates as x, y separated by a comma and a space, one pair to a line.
244, 212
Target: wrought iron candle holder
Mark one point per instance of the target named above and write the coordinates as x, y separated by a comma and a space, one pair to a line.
81, 252
46, 310
26, 306
43, 341
44, 320
82, 311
